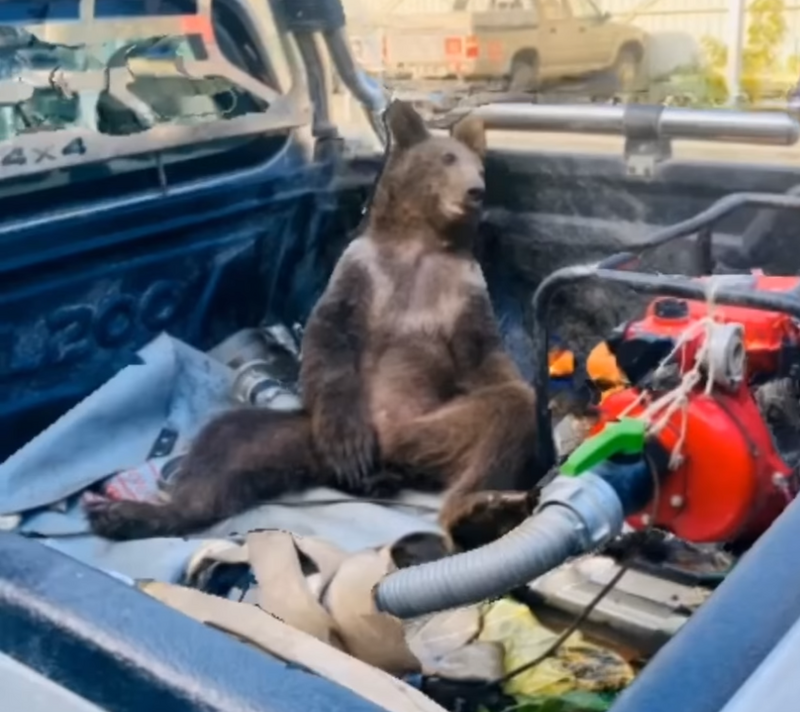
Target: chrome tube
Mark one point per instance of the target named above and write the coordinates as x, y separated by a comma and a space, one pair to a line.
317, 84
370, 93
761, 127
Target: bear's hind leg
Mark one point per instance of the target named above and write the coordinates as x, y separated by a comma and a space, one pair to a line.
239, 460
483, 447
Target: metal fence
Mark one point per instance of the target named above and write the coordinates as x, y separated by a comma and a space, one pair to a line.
677, 27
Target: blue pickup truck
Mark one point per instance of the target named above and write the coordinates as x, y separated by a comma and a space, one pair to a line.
175, 167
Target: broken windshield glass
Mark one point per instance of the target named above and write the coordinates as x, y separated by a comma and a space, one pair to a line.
115, 83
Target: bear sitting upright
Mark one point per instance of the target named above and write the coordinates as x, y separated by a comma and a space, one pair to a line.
403, 376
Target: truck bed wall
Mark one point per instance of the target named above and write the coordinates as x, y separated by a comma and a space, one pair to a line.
82, 292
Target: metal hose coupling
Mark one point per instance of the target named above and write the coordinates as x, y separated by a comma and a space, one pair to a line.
575, 515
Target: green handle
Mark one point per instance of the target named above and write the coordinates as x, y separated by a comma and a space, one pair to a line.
624, 437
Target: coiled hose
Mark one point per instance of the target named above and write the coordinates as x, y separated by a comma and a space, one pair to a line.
575, 515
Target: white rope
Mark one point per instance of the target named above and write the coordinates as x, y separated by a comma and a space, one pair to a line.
658, 414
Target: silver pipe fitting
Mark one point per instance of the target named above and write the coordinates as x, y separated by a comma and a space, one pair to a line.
594, 503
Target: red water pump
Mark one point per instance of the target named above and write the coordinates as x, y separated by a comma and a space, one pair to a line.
703, 436
732, 424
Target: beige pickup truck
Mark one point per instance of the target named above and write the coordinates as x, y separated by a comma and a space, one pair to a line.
523, 43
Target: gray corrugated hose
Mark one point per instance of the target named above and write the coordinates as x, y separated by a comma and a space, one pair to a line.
575, 515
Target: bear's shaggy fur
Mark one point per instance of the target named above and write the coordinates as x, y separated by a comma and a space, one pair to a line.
404, 380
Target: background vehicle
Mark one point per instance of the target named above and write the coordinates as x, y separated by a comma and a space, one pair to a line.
522, 44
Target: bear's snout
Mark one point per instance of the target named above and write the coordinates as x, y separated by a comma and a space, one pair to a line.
476, 194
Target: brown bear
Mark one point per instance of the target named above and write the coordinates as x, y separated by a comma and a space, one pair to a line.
403, 377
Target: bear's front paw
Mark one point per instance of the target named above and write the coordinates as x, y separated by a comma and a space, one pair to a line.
104, 515
480, 518
123, 519
349, 446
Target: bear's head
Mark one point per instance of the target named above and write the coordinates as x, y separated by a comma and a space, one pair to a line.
432, 186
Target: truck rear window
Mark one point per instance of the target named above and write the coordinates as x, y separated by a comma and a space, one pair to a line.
81, 81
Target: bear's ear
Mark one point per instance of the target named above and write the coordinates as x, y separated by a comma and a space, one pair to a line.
471, 131
405, 124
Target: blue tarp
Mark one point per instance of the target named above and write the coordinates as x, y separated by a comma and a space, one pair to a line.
115, 428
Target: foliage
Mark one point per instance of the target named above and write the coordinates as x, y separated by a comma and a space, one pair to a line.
765, 35
766, 31
715, 52
569, 702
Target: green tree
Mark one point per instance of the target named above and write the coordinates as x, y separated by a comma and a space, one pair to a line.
765, 34
766, 31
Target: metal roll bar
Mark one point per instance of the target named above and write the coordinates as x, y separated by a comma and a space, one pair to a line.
666, 122
366, 90
307, 18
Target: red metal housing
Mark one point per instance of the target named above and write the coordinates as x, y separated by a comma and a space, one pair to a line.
732, 482
765, 333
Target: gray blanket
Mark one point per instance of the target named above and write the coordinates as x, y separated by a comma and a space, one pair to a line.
116, 427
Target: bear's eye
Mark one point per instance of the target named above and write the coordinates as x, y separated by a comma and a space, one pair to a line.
449, 159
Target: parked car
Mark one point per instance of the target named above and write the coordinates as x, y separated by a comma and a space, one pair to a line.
520, 43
